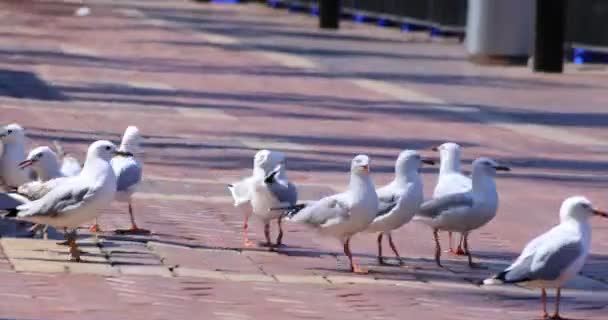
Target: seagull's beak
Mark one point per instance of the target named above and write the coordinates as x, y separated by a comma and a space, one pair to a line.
600, 213
428, 161
26, 163
123, 153
365, 168
502, 168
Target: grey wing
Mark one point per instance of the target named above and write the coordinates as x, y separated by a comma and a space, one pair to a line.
547, 263
286, 194
9, 201
434, 207
322, 211
128, 176
386, 204
56, 202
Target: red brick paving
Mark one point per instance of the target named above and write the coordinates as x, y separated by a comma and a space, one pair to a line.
197, 104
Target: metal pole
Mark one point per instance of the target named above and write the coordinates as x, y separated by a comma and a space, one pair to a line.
549, 39
329, 14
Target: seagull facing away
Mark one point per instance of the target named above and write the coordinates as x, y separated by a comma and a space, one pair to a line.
12, 137
129, 173
466, 211
264, 162
73, 201
345, 214
556, 256
451, 180
399, 200
269, 192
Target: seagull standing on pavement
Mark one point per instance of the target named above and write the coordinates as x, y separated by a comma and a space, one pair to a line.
451, 180
556, 256
269, 192
129, 173
345, 214
12, 137
466, 211
264, 162
399, 200
71, 201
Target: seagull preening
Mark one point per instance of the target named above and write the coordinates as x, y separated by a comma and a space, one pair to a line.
466, 211
345, 214
556, 256
269, 192
451, 180
399, 200
72, 201
12, 137
264, 162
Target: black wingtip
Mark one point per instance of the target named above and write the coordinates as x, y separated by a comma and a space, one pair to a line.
12, 213
270, 178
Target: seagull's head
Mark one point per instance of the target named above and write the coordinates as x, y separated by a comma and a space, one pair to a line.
275, 159
261, 158
103, 149
579, 208
41, 158
410, 161
488, 166
448, 149
360, 165
131, 140
12, 133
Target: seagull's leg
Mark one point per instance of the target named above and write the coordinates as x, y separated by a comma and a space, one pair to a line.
380, 259
394, 248
66, 242
246, 242
280, 235
95, 228
134, 229
558, 295
468, 252
459, 250
353, 267
45, 232
267, 234
543, 299
437, 248
450, 242
74, 252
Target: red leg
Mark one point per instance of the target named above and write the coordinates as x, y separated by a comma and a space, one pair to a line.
280, 236
543, 299
353, 267
133, 229
558, 296
246, 242
95, 227
380, 259
459, 251
437, 248
394, 248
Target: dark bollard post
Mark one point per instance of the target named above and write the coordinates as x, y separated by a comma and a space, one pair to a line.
549, 39
329, 14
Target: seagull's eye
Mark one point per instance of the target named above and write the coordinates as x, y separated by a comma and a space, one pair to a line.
39, 156
10, 131
108, 148
585, 206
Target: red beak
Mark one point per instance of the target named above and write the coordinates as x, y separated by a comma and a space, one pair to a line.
26, 163
600, 213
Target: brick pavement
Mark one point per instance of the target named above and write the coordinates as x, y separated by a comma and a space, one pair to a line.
208, 85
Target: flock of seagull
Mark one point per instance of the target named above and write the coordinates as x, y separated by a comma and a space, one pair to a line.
49, 188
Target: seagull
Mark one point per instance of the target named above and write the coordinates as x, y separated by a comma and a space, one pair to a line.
43, 161
345, 214
264, 162
451, 180
272, 191
129, 172
74, 200
399, 200
12, 137
556, 256
466, 211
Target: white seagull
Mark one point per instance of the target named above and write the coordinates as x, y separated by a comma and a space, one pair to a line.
345, 214
129, 173
399, 200
556, 256
12, 137
466, 211
451, 180
74, 200
270, 192
264, 162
